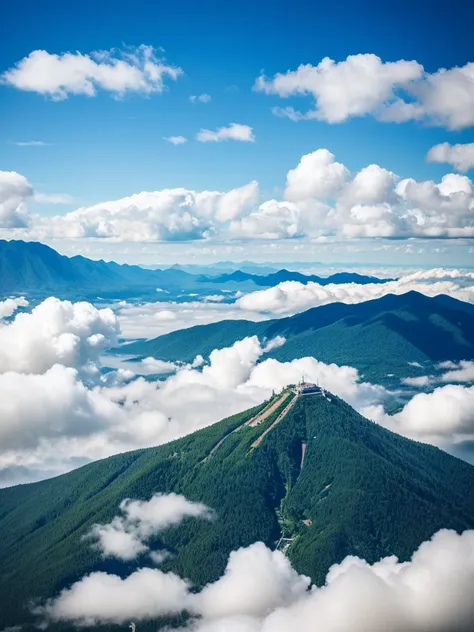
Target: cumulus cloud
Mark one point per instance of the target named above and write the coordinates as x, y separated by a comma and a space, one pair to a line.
444, 417
126, 535
256, 580
460, 156
291, 297
365, 85
317, 175
260, 592
235, 131
176, 140
56, 332
15, 190
136, 70
101, 598
167, 215
9, 306
53, 405
322, 201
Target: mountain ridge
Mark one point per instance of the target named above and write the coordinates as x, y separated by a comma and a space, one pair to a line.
379, 337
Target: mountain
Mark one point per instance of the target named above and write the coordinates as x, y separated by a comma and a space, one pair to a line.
274, 278
379, 337
32, 266
313, 470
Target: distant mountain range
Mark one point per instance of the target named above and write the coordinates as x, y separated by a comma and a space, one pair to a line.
379, 337
35, 267
32, 266
269, 280
320, 475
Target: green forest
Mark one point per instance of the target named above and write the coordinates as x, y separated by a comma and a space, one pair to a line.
362, 490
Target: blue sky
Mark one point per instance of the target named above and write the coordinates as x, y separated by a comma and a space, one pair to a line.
100, 148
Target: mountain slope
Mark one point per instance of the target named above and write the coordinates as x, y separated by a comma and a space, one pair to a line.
378, 337
32, 266
354, 488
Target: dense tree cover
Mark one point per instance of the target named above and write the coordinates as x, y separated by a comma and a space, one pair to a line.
378, 337
362, 490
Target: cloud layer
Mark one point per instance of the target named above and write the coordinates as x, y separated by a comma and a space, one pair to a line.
322, 201
291, 297
260, 592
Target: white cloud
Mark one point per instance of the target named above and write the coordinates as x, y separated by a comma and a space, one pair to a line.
323, 201
126, 535
56, 332
9, 306
117, 71
260, 592
137, 321
15, 190
444, 417
460, 156
292, 297
255, 581
176, 140
53, 405
354, 87
235, 131
145, 594
462, 371
201, 98
167, 215
365, 85
317, 175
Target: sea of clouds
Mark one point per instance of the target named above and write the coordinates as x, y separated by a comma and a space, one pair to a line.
60, 410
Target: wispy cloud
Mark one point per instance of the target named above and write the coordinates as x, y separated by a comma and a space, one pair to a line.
31, 143
201, 98
53, 198
235, 131
176, 140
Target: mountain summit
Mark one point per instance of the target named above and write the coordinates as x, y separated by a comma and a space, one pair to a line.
303, 473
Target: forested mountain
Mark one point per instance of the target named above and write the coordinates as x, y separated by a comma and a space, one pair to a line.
320, 474
378, 337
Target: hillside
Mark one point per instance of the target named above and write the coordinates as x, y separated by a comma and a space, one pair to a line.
378, 337
325, 477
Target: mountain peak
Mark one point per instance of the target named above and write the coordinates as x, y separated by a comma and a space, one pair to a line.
306, 468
